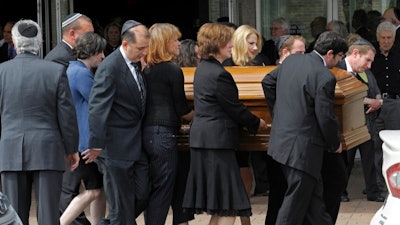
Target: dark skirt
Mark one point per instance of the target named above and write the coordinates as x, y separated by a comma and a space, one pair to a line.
214, 184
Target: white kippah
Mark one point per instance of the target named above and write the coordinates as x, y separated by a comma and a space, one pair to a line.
71, 18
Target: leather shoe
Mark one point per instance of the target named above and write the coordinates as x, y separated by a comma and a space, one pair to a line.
345, 198
377, 199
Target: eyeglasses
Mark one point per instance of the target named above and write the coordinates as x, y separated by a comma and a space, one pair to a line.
341, 55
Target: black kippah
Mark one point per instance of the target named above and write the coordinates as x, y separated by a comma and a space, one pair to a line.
128, 25
280, 41
27, 30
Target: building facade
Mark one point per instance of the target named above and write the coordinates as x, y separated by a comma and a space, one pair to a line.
188, 15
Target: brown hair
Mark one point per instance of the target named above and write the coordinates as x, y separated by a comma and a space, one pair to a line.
160, 36
211, 37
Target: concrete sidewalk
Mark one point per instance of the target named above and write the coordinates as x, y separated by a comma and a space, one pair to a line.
358, 211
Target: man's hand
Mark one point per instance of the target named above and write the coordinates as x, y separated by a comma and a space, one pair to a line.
90, 154
373, 104
73, 161
263, 125
340, 149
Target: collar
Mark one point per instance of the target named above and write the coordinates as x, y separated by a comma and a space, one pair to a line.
320, 57
127, 61
348, 67
67, 43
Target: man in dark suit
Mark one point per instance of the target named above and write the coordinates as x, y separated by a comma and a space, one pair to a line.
301, 134
358, 62
286, 45
39, 127
73, 26
116, 110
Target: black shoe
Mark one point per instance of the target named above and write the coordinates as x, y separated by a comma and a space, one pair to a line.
345, 198
364, 191
377, 199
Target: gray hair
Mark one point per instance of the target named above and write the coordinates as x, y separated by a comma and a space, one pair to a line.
386, 26
283, 22
26, 44
339, 27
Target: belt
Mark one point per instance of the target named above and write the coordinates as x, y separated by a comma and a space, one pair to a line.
392, 96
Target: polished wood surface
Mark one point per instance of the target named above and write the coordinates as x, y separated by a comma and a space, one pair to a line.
349, 108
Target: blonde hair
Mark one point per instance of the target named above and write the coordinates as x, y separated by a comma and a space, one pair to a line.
211, 37
161, 34
240, 48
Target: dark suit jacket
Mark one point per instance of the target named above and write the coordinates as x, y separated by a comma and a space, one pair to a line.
37, 113
304, 125
115, 110
4, 53
62, 54
373, 90
219, 115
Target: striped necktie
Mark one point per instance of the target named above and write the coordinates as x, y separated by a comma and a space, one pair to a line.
139, 76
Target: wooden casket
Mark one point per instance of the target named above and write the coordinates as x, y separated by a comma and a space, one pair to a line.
349, 108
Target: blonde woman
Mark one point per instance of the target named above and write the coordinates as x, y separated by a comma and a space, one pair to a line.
247, 43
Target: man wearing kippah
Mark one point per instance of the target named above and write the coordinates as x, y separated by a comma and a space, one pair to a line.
358, 62
73, 26
117, 104
38, 130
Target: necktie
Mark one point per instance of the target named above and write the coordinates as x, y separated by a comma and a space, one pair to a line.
139, 76
363, 76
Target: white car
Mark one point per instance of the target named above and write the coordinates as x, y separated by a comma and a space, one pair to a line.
389, 213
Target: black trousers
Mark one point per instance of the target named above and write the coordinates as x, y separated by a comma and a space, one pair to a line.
126, 185
334, 178
277, 189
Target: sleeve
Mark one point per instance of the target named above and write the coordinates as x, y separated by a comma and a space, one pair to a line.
228, 97
373, 85
85, 85
100, 103
178, 93
269, 87
66, 115
327, 120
